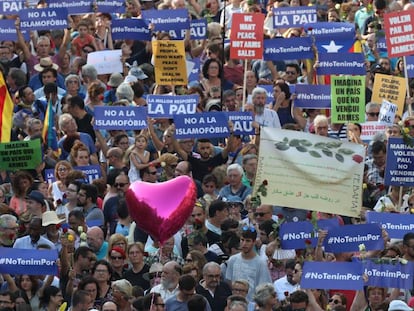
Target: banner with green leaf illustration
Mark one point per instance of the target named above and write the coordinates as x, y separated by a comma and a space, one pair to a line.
347, 99
309, 171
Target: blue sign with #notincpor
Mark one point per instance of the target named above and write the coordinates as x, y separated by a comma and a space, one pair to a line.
328, 275
120, 117
396, 225
348, 238
201, 125
393, 275
399, 167
313, 96
175, 22
341, 63
28, 261
288, 48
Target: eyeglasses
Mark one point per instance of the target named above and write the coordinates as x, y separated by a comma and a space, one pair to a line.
155, 275
160, 304
259, 214
117, 257
62, 169
247, 228
297, 271
335, 301
213, 276
120, 185
240, 290
373, 114
188, 260
290, 72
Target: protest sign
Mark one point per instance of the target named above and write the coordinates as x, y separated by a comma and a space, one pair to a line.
288, 48
169, 62
313, 96
348, 238
318, 173
399, 33
246, 37
201, 125
9, 7
194, 73
396, 225
130, 28
39, 19
198, 29
370, 128
242, 122
302, 234
92, 172
73, 6
28, 261
20, 155
387, 112
409, 64
110, 6
120, 117
8, 31
332, 37
399, 168
348, 99
107, 61
328, 275
286, 17
166, 106
341, 63
175, 22
391, 275
390, 88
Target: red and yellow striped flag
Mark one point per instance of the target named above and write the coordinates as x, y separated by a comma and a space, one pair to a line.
6, 112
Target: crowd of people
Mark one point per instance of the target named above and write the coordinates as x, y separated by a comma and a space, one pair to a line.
227, 256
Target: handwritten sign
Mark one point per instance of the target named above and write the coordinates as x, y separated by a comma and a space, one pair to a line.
20, 155
369, 129
246, 37
390, 88
399, 33
108, 61
400, 167
387, 112
348, 99
169, 62
120, 117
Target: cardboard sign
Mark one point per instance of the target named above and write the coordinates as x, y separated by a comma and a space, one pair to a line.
400, 167
20, 155
399, 33
108, 61
390, 88
348, 99
169, 62
246, 38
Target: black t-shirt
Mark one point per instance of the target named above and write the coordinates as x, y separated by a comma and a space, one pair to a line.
202, 168
137, 279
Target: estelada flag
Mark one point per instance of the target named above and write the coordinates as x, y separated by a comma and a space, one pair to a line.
6, 112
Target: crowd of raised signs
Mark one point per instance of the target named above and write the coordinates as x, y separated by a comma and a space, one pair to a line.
67, 238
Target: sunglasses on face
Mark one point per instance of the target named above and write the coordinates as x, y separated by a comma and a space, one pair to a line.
335, 301
373, 114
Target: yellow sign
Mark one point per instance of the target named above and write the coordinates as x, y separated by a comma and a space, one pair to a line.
390, 88
307, 171
169, 62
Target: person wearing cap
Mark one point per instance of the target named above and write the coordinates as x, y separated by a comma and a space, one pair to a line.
34, 239
36, 203
398, 305
122, 293
114, 81
116, 258
51, 223
48, 75
153, 276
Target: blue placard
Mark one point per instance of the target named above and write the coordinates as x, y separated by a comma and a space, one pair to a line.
28, 261
198, 29
10, 7
328, 275
8, 31
348, 238
175, 22
242, 122
73, 7
130, 28
338, 45
381, 43
111, 6
409, 63
399, 170
389, 275
331, 30
50, 175
39, 19
166, 106
313, 96
201, 125
194, 74
341, 63
92, 172
120, 118
297, 235
396, 225
286, 17
285, 49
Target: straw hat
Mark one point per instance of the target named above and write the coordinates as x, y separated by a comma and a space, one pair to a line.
50, 218
45, 62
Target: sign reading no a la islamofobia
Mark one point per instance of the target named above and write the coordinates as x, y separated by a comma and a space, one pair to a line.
311, 172
390, 88
169, 62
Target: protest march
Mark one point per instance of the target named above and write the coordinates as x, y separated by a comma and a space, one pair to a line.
213, 155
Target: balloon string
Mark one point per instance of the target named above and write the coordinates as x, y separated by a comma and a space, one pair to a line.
152, 300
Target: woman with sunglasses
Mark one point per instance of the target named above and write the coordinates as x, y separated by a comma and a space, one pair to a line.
337, 299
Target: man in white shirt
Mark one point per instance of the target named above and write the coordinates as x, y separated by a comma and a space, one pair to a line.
263, 116
169, 280
34, 239
286, 284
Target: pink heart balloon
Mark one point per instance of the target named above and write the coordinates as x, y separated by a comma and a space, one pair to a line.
161, 209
